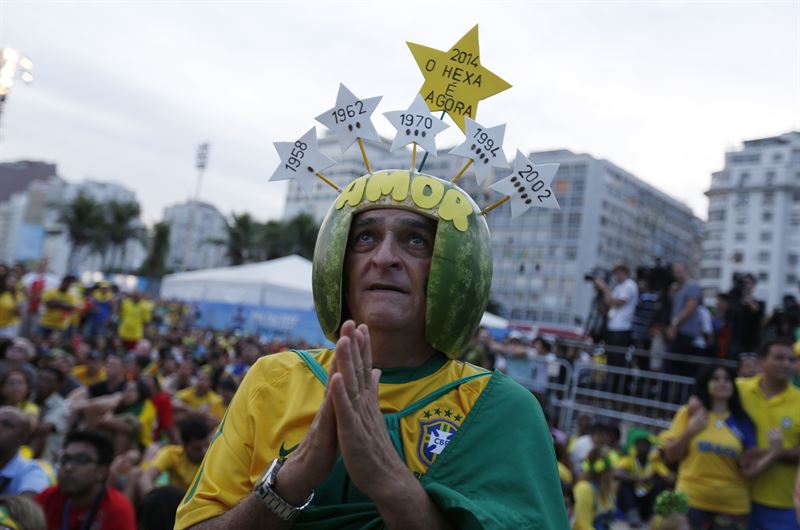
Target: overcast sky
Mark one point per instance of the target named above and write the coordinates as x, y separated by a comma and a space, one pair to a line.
124, 91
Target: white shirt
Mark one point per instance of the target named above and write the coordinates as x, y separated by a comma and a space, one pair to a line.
620, 318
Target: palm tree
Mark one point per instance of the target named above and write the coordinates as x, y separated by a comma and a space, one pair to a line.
122, 225
301, 231
271, 240
83, 219
242, 232
154, 265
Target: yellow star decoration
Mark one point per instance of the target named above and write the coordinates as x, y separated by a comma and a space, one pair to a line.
455, 80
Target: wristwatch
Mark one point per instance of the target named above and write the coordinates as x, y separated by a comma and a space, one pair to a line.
274, 502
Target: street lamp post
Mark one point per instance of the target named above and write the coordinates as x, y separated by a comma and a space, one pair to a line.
12, 65
200, 163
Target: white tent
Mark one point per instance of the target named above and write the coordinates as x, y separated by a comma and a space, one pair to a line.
283, 282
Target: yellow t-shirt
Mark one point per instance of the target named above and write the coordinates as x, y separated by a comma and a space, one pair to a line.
132, 318
652, 467
9, 301
710, 474
80, 372
272, 412
172, 460
211, 402
588, 506
147, 416
56, 319
774, 486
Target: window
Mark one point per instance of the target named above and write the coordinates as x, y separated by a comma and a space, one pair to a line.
792, 259
766, 216
740, 236
777, 157
710, 273
770, 178
791, 279
766, 236
763, 257
763, 276
744, 178
741, 220
769, 198
738, 256
741, 198
796, 195
713, 254
716, 215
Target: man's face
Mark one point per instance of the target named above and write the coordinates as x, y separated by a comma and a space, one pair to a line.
79, 469
12, 429
679, 272
386, 268
113, 367
46, 383
779, 363
203, 383
195, 450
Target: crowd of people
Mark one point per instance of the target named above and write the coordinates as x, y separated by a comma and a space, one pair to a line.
109, 400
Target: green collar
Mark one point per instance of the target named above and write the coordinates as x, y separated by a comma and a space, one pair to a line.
395, 376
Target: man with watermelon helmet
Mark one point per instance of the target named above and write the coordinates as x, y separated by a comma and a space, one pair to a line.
387, 428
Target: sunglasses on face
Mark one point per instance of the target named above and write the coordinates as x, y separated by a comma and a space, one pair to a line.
80, 459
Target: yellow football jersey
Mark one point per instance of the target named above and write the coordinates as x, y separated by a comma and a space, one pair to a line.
774, 486
710, 474
172, 460
276, 403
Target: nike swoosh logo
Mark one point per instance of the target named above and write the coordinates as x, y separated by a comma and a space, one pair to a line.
283, 452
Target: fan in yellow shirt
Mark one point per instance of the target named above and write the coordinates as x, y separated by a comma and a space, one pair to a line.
10, 302
201, 399
58, 307
92, 372
595, 502
133, 315
642, 477
774, 404
179, 462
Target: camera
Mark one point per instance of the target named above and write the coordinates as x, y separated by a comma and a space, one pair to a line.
598, 273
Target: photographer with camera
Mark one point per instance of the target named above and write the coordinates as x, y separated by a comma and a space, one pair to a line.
622, 303
746, 314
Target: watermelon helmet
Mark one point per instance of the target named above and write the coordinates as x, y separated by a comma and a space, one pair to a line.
461, 264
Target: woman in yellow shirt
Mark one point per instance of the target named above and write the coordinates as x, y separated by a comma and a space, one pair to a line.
15, 391
595, 499
136, 401
707, 438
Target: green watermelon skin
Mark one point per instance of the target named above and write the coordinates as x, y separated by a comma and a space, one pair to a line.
458, 284
326, 274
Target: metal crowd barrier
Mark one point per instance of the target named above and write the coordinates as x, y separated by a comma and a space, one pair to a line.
663, 360
632, 396
550, 379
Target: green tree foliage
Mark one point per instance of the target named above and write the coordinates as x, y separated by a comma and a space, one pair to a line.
154, 265
249, 241
83, 218
122, 225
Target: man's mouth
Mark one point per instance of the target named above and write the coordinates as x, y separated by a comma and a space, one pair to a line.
386, 287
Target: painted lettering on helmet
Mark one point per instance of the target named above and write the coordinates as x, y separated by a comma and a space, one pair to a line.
425, 192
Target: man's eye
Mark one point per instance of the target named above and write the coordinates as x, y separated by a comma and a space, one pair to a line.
418, 241
364, 237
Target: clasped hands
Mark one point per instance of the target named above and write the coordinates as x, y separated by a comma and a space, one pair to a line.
349, 422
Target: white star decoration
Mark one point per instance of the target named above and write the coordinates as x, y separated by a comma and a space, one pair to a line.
301, 160
484, 146
528, 186
350, 119
417, 125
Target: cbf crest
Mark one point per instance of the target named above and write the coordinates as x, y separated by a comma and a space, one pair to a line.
434, 436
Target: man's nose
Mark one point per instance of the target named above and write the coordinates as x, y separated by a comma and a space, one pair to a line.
386, 253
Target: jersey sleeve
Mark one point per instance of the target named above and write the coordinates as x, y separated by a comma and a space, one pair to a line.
506, 427
223, 479
678, 425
